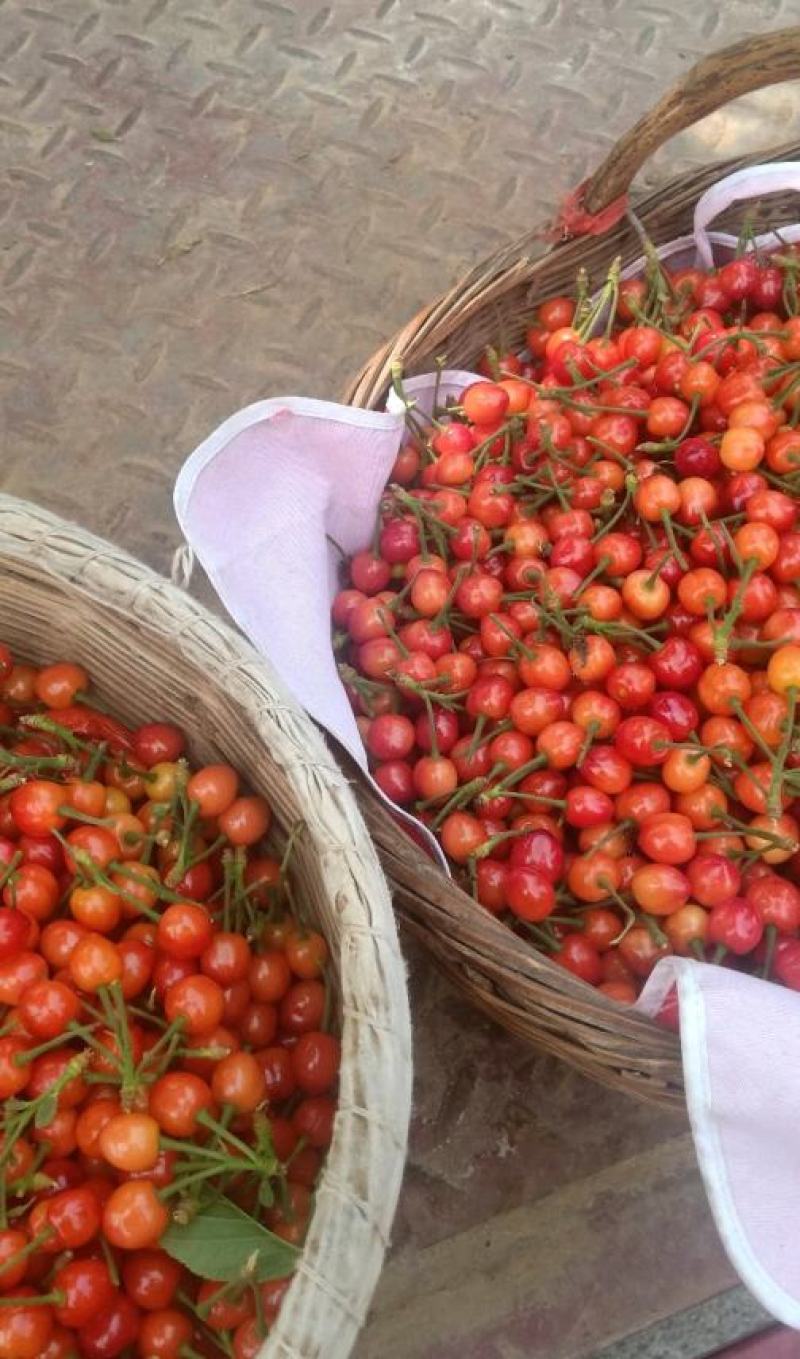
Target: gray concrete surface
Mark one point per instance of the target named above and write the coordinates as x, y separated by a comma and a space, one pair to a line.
203, 202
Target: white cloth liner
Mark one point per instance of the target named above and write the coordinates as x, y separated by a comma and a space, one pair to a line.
265, 500
259, 501
740, 1039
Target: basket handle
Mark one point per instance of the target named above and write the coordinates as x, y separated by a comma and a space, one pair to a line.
709, 85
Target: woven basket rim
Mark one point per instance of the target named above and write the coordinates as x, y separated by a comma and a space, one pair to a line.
36, 545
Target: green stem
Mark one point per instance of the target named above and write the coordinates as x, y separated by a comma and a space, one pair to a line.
11, 867
774, 806
771, 937
56, 1299
227, 1137
179, 1186
656, 934
516, 776
752, 731
111, 1264
669, 445
628, 913
666, 520
30, 1054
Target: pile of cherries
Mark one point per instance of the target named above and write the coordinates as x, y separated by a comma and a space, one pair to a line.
164, 1042
574, 646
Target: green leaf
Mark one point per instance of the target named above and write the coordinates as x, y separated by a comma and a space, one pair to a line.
46, 1111
223, 1243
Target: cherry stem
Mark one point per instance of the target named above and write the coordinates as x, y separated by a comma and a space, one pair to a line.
112, 1003
628, 912
462, 795
223, 1132
426, 522
774, 807
630, 486
29, 1248
194, 1151
485, 850
592, 730
423, 691
541, 937
517, 645
558, 393
771, 937
170, 1039
20, 1114
231, 1288
30, 1054
607, 297
217, 1338
39, 722
593, 574
261, 1321
189, 811
516, 776
197, 859
476, 735
72, 814
413, 421
129, 869
56, 1299
755, 832
752, 731
656, 934
36, 763
722, 631
482, 451
111, 1264
96, 758
179, 1186
666, 520
11, 867
669, 445
621, 826
732, 337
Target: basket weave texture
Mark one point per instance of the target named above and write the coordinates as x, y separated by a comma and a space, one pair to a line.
504, 975
154, 652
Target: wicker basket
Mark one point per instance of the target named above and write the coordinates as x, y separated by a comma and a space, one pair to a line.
501, 973
153, 651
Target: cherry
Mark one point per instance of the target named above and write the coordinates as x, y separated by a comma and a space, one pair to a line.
736, 925
714, 879
643, 740
580, 956
541, 850
529, 893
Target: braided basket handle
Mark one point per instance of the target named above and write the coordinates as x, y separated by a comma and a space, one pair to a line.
749, 65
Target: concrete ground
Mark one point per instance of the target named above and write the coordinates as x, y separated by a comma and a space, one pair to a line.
203, 202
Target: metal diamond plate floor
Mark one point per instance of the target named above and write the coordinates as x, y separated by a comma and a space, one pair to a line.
203, 202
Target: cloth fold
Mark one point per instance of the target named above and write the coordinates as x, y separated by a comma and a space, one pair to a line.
740, 1044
